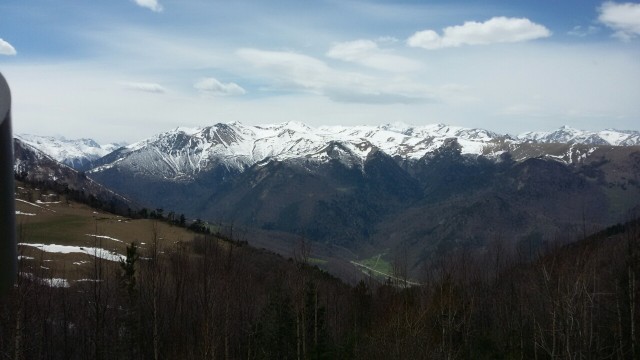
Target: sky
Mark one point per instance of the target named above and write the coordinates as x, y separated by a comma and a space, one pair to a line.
124, 70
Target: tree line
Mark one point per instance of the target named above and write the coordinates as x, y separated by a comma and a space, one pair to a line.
213, 299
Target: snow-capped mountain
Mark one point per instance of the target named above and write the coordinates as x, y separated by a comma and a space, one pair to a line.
79, 153
183, 152
568, 134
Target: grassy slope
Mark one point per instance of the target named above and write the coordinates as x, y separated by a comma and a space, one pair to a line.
57, 221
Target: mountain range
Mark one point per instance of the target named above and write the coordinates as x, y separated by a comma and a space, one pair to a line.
241, 145
358, 190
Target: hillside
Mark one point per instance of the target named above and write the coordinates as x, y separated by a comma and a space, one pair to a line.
69, 236
196, 295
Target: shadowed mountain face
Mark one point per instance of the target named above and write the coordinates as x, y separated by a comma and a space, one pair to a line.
325, 202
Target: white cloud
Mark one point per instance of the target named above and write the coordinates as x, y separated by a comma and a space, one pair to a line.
214, 87
153, 5
145, 87
624, 18
494, 30
287, 70
6, 48
367, 53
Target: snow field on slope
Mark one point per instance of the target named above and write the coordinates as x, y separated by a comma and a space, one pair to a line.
67, 249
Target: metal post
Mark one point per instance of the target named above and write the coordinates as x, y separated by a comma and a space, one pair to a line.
8, 256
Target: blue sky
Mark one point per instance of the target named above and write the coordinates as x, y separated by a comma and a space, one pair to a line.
120, 70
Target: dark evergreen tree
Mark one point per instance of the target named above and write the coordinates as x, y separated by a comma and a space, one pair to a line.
130, 315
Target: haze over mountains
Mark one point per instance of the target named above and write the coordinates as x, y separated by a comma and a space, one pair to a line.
419, 191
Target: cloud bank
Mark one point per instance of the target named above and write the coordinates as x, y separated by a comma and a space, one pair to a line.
494, 30
152, 5
214, 87
6, 48
623, 18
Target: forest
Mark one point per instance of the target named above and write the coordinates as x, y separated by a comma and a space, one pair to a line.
211, 298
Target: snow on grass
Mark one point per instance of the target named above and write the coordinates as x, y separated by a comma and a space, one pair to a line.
22, 257
105, 237
32, 204
66, 249
24, 213
47, 202
51, 282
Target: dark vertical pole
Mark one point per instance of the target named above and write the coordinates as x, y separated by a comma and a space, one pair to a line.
8, 256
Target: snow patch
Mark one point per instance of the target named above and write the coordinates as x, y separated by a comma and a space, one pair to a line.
51, 282
66, 249
32, 204
105, 237
47, 202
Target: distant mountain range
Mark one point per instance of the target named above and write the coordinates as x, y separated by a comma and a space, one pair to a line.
241, 145
359, 189
79, 154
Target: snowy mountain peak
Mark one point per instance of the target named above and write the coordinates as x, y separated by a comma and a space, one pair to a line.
567, 134
78, 153
397, 126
